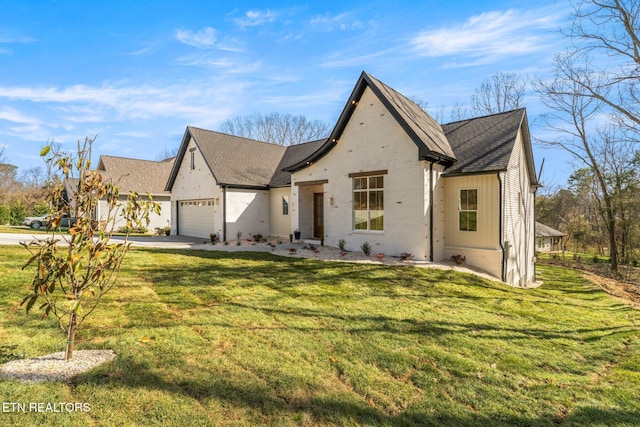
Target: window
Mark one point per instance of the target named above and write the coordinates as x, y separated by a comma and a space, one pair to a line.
193, 158
468, 210
285, 205
368, 203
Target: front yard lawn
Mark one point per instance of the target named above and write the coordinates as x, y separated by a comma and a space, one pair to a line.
214, 338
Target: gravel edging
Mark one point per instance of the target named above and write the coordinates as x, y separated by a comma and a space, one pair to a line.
52, 367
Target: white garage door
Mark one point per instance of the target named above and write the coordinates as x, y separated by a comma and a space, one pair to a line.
195, 217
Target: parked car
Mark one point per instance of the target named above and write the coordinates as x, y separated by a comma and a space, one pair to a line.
41, 221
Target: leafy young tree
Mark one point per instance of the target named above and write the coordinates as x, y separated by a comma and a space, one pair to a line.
282, 129
71, 279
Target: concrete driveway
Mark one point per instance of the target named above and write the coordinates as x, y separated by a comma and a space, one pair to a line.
175, 242
167, 242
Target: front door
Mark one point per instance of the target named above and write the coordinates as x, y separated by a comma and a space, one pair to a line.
318, 215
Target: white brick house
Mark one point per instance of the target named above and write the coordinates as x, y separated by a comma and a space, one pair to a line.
388, 175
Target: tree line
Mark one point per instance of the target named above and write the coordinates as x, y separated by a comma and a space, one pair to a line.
22, 193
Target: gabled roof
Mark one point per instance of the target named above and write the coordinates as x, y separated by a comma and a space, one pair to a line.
233, 160
484, 144
294, 154
237, 161
141, 176
546, 231
423, 130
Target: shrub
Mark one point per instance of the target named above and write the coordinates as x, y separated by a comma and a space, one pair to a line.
132, 230
406, 256
366, 248
342, 244
5, 217
41, 209
17, 213
458, 259
596, 259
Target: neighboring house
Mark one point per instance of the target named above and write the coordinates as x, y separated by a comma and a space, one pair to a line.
548, 239
141, 176
388, 175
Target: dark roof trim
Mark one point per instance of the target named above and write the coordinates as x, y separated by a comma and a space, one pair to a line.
424, 152
363, 82
528, 151
484, 172
180, 156
244, 187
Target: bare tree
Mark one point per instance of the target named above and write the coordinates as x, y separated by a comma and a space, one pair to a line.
607, 33
282, 129
167, 153
459, 111
595, 89
498, 93
578, 121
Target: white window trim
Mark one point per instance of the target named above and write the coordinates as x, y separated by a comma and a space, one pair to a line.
460, 210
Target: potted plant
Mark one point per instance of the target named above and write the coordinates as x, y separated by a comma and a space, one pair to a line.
213, 237
167, 230
297, 234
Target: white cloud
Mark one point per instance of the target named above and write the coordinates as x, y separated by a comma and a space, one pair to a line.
202, 39
7, 37
12, 115
255, 18
331, 22
491, 34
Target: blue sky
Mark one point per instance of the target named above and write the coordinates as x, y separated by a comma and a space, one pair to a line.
136, 73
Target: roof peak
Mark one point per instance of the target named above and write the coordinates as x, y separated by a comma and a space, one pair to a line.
486, 115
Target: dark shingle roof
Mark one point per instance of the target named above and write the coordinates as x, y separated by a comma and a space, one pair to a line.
294, 154
483, 144
477, 145
546, 231
238, 161
141, 176
418, 121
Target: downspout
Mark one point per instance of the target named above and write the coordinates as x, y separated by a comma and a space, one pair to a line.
501, 235
177, 217
224, 214
431, 211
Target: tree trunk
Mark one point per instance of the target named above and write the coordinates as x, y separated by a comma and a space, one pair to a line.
71, 336
611, 225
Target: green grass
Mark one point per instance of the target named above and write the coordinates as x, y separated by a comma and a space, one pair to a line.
253, 339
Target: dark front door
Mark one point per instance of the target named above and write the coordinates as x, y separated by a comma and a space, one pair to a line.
318, 215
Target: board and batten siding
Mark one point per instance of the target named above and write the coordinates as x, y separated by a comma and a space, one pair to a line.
518, 219
371, 141
195, 184
482, 247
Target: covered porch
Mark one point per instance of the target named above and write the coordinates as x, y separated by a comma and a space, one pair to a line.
311, 212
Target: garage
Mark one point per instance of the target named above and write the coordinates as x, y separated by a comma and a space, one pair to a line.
196, 217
